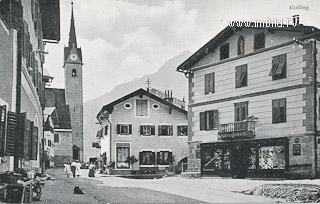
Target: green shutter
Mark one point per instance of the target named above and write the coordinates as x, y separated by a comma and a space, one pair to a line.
159, 130
11, 133
153, 158
141, 129
158, 158
215, 119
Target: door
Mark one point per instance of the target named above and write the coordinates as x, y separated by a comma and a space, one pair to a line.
239, 161
76, 153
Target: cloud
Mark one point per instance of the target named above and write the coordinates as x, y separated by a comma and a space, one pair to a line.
121, 40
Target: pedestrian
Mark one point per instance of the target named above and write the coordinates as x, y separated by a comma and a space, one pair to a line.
92, 169
78, 165
73, 168
67, 169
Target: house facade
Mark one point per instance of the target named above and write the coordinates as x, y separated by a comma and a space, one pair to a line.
254, 103
22, 39
147, 127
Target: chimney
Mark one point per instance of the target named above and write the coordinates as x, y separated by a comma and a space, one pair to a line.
295, 20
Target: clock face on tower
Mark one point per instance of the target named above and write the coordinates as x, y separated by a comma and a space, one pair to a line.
73, 57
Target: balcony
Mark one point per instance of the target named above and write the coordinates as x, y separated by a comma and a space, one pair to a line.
237, 130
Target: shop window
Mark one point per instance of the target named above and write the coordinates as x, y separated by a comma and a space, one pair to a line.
165, 130
182, 130
272, 157
147, 158
296, 149
259, 41
147, 130
241, 45
124, 129
56, 138
279, 67
142, 107
209, 120
123, 152
209, 83
164, 158
240, 111
241, 76
279, 111
224, 51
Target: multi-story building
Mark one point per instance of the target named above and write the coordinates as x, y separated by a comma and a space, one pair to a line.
22, 86
254, 103
143, 125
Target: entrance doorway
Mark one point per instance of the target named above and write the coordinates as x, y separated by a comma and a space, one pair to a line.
76, 153
239, 161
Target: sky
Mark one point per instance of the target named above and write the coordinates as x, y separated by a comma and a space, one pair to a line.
122, 40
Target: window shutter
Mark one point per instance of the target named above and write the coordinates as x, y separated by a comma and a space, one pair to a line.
178, 130
206, 82
203, 121
153, 130
211, 84
34, 151
118, 129
238, 73
26, 139
158, 158
275, 62
3, 113
215, 119
159, 130
16, 16
171, 130
130, 129
170, 158
11, 133
140, 158
141, 129
153, 158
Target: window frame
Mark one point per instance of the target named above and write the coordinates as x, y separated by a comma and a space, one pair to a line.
206, 122
243, 111
276, 65
74, 73
180, 128
276, 111
169, 130
255, 43
239, 71
241, 38
169, 159
143, 131
223, 52
209, 83
119, 129
153, 161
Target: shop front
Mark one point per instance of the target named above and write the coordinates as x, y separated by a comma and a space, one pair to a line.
259, 158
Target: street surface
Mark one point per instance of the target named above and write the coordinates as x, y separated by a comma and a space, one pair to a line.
111, 189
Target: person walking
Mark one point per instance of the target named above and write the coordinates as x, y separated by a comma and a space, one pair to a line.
92, 169
73, 168
78, 165
67, 169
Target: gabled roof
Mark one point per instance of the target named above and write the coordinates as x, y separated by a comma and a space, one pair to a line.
56, 98
109, 107
229, 31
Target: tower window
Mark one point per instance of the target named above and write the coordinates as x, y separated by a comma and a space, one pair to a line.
74, 73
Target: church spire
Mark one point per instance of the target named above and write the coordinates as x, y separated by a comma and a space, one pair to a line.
72, 34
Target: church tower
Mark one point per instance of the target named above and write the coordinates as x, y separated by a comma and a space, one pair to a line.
73, 90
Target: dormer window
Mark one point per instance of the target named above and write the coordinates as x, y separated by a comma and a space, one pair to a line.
241, 45
259, 41
74, 73
224, 51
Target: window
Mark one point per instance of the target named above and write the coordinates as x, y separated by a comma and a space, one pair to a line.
147, 130
241, 45
296, 149
279, 111
124, 129
165, 130
259, 41
279, 67
74, 72
240, 111
141, 107
49, 143
182, 130
123, 152
209, 120
164, 158
209, 83
241, 76
224, 51
106, 130
147, 158
127, 105
56, 138
155, 106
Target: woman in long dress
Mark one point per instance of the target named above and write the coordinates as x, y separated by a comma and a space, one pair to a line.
67, 169
78, 165
92, 169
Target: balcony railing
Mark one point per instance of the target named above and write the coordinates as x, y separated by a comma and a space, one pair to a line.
237, 130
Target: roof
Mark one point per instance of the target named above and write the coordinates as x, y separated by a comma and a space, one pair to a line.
109, 107
228, 32
48, 111
56, 98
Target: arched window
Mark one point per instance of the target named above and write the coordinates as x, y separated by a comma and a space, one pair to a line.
74, 73
241, 45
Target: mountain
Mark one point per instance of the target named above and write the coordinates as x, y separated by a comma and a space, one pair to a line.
166, 78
